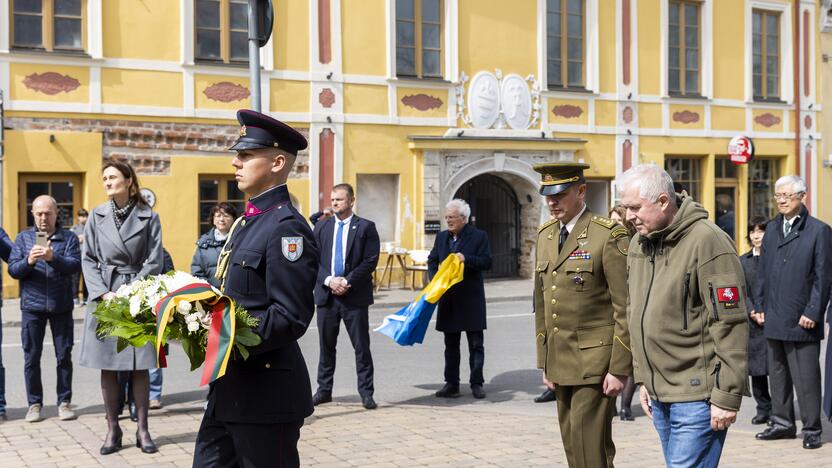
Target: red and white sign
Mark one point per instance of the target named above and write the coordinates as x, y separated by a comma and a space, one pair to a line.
731, 294
741, 149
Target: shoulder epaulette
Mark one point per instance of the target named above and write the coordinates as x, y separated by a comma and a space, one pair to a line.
601, 221
546, 224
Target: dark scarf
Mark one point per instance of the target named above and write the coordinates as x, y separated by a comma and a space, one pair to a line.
121, 214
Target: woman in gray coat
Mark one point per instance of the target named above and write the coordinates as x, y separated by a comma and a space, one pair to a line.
123, 242
204, 263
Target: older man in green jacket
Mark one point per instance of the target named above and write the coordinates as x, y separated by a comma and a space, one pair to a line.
687, 317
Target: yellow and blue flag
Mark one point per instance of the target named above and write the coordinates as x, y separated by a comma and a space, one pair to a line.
408, 326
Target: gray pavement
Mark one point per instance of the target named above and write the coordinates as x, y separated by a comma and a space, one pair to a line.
410, 428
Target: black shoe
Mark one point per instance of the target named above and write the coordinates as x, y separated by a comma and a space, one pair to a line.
626, 414
150, 447
321, 398
448, 391
476, 390
812, 441
134, 413
115, 447
545, 397
760, 419
772, 433
368, 402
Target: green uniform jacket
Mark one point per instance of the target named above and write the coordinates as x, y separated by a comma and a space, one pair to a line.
687, 313
580, 300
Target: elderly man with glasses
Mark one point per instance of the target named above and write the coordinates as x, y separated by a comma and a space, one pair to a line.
791, 295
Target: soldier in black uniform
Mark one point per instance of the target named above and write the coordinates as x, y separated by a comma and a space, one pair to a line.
256, 410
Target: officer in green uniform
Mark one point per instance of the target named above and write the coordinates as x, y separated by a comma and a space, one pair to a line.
580, 299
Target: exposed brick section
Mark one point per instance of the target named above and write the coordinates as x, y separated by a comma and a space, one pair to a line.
148, 146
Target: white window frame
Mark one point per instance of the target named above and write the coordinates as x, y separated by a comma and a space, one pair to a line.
706, 49
187, 41
786, 48
93, 14
591, 80
451, 43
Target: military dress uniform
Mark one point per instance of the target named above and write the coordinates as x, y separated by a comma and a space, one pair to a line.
255, 411
580, 300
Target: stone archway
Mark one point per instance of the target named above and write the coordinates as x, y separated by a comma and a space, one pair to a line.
446, 171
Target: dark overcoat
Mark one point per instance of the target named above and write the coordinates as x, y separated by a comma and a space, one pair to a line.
795, 276
271, 274
757, 346
360, 261
204, 261
462, 307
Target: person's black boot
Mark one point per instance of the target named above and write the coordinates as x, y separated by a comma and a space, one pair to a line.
448, 391
545, 397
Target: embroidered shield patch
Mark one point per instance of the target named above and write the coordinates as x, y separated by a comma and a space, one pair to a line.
292, 248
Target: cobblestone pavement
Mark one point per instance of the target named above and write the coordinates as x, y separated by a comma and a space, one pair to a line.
343, 435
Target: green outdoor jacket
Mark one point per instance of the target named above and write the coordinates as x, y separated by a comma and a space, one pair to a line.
687, 315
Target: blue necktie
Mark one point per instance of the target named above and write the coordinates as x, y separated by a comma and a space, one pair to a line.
339, 250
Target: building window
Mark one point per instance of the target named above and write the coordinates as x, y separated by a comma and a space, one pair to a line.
766, 40
215, 189
222, 30
686, 174
49, 25
65, 189
762, 173
683, 48
419, 38
565, 43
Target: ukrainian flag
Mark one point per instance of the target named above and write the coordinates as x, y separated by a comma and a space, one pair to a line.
408, 326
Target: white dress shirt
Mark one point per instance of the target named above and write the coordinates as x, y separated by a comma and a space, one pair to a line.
571, 224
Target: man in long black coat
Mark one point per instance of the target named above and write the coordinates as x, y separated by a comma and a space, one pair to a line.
462, 307
792, 294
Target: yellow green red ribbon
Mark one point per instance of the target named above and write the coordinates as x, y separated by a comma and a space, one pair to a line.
220, 335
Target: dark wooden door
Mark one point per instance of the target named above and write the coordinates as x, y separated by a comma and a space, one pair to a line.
495, 210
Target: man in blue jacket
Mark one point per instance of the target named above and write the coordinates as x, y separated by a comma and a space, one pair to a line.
6, 247
46, 289
791, 295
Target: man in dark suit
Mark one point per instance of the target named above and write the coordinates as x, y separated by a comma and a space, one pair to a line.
344, 291
268, 266
790, 298
462, 307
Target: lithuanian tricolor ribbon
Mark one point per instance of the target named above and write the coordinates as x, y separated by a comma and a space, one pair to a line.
220, 335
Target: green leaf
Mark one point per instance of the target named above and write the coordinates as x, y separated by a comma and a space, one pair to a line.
195, 353
243, 351
246, 337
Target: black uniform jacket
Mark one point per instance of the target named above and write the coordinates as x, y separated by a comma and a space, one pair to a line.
757, 346
462, 308
360, 260
271, 273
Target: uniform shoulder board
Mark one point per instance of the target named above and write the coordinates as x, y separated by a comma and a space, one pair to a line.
546, 224
606, 222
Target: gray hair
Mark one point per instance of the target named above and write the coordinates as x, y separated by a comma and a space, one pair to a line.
651, 180
796, 182
461, 207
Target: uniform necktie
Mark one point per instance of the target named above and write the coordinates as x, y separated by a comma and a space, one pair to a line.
563, 235
339, 250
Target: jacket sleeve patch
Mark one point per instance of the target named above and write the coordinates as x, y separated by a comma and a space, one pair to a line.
729, 296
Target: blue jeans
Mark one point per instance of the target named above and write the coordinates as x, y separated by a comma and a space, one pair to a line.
155, 384
32, 331
686, 435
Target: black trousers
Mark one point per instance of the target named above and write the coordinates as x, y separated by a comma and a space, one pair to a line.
222, 444
356, 320
795, 365
32, 331
476, 356
759, 389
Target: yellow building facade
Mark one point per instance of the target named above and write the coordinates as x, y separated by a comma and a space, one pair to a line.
414, 102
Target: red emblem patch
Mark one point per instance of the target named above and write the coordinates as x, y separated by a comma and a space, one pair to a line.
731, 294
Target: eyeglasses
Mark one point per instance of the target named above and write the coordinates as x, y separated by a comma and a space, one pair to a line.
785, 196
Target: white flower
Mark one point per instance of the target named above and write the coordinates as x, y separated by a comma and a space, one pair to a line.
191, 318
184, 307
193, 326
135, 305
124, 290
178, 280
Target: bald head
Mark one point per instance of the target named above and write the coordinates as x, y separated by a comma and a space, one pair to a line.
45, 213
